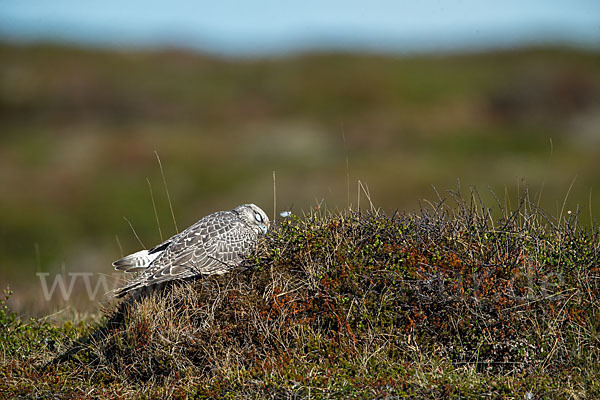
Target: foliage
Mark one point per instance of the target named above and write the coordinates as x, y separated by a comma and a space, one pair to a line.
26, 344
447, 302
80, 127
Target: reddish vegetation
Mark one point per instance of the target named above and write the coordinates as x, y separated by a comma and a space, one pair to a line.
447, 302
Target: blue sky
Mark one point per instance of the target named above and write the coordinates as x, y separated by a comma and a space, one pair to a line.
272, 27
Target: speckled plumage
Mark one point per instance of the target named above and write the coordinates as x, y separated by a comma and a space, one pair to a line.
213, 245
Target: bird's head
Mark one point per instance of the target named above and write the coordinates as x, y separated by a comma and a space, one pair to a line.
254, 216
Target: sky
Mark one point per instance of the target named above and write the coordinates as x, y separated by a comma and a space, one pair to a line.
278, 26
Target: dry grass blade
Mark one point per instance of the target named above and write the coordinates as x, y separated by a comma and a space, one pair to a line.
162, 172
154, 208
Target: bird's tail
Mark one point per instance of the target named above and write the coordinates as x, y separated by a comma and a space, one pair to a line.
135, 262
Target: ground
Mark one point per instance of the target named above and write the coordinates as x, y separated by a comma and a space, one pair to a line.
447, 302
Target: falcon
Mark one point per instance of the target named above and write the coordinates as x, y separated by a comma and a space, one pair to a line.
214, 245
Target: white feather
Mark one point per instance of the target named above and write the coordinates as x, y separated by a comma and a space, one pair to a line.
137, 261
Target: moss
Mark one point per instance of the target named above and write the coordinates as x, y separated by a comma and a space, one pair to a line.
446, 302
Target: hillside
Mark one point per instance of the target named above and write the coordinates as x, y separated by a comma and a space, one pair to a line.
446, 302
80, 128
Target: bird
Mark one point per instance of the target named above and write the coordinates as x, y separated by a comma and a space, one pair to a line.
214, 245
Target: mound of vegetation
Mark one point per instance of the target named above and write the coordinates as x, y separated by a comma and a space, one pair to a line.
446, 302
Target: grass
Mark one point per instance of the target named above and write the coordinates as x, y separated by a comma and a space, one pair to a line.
80, 127
447, 302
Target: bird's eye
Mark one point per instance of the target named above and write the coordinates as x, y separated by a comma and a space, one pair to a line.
258, 217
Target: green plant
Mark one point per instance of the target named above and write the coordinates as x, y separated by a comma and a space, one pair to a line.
446, 302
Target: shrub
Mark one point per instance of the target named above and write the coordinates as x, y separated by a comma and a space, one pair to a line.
449, 301
361, 296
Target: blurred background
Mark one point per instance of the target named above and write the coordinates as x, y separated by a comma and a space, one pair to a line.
401, 96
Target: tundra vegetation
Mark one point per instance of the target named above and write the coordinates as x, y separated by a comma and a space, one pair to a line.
79, 128
455, 300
